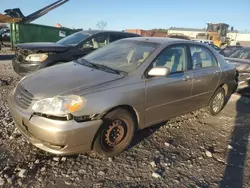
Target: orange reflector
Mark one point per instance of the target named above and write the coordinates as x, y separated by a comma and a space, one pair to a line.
44, 57
72, 108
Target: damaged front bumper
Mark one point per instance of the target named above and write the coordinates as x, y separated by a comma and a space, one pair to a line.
22, 68
54, 136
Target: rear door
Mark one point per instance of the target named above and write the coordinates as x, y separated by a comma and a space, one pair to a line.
206, 72
169, 96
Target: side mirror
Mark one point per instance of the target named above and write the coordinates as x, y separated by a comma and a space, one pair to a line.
159, 71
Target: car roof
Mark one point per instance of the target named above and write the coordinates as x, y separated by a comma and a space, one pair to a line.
93, 32
164, 40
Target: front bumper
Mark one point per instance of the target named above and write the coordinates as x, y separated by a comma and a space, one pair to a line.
24, 68
54, 136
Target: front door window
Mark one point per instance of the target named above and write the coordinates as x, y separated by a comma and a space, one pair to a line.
174, 58
97, 41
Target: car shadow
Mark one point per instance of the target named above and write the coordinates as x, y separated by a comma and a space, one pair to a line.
238, 144
145, 133
6, 57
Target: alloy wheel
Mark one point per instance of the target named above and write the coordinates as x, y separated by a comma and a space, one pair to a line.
218, 102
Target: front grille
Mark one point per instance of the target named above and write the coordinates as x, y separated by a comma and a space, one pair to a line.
22, 97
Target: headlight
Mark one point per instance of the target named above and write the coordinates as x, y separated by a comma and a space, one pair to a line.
36, 57
60, 105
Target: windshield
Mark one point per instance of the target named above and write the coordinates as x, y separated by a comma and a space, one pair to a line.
73, 39
223, 30
241, 54
230, 50
123, 55
212, 27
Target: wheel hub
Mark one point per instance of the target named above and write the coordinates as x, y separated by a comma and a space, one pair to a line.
115, 133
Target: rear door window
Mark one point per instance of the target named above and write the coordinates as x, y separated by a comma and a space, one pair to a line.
115, 37
202, 57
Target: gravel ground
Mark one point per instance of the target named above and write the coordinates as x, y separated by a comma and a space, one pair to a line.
192, 150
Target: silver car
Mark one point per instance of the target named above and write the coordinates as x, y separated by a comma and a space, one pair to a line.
99, 101
241, 60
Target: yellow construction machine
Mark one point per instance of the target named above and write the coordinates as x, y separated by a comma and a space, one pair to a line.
217, 32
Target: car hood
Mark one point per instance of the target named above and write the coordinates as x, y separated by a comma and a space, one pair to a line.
64, 78
43, 47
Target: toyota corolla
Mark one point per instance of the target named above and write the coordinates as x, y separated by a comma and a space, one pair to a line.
98, 102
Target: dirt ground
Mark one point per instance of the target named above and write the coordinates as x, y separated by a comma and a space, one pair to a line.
192, 150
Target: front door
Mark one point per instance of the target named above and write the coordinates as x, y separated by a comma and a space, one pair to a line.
168, 96
206, 73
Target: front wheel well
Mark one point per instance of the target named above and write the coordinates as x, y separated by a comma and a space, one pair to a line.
129, 108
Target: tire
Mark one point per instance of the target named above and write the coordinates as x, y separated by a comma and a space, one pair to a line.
219, 96
118, 122
234, 90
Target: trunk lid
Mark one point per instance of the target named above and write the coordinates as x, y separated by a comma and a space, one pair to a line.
241, 64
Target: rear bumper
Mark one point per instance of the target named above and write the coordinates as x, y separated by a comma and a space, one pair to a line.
54, 136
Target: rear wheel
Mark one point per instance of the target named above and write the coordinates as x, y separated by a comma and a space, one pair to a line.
116, 133
217, 102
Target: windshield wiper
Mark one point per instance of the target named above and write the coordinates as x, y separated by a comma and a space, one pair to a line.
86, 63
109, 69
100, 67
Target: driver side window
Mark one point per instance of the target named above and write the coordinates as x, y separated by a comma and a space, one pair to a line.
174, 58
97, 41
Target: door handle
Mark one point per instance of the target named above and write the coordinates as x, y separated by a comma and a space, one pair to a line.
187, 78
